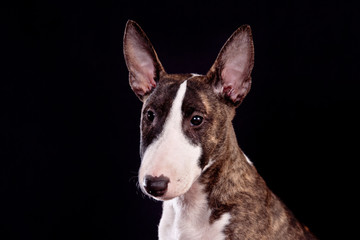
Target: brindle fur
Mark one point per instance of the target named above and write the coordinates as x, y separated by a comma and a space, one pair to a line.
232, 184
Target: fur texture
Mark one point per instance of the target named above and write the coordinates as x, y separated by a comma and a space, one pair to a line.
213, 191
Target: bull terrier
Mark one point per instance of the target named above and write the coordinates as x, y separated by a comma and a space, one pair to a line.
190, 158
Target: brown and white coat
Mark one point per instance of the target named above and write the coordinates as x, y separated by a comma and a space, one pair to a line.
190, 156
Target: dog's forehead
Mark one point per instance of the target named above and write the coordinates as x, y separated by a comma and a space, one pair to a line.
163, 95
197, 97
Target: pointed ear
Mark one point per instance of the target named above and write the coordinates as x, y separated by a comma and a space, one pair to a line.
231, 71
141, 60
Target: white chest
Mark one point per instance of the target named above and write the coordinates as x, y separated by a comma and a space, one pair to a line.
187, 218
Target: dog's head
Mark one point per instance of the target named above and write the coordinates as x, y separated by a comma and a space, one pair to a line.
185, 117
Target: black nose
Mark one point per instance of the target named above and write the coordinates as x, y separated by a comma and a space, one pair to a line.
156, 186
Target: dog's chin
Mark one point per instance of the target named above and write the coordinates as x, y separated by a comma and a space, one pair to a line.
164, 198
170, 193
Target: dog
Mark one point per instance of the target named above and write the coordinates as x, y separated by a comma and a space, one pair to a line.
190, 158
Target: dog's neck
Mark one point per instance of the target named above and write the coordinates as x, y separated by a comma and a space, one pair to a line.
230, 177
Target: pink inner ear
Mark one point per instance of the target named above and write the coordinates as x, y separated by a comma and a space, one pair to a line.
235, 74
141, 60
144, 72
232, 84
140, 88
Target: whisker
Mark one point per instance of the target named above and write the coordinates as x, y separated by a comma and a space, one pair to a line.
134, 179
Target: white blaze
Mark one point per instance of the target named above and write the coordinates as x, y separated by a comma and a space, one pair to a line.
172, 154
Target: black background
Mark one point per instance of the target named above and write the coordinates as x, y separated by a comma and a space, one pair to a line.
69, 120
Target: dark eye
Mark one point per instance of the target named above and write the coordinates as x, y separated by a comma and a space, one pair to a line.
150, 115
196, 120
